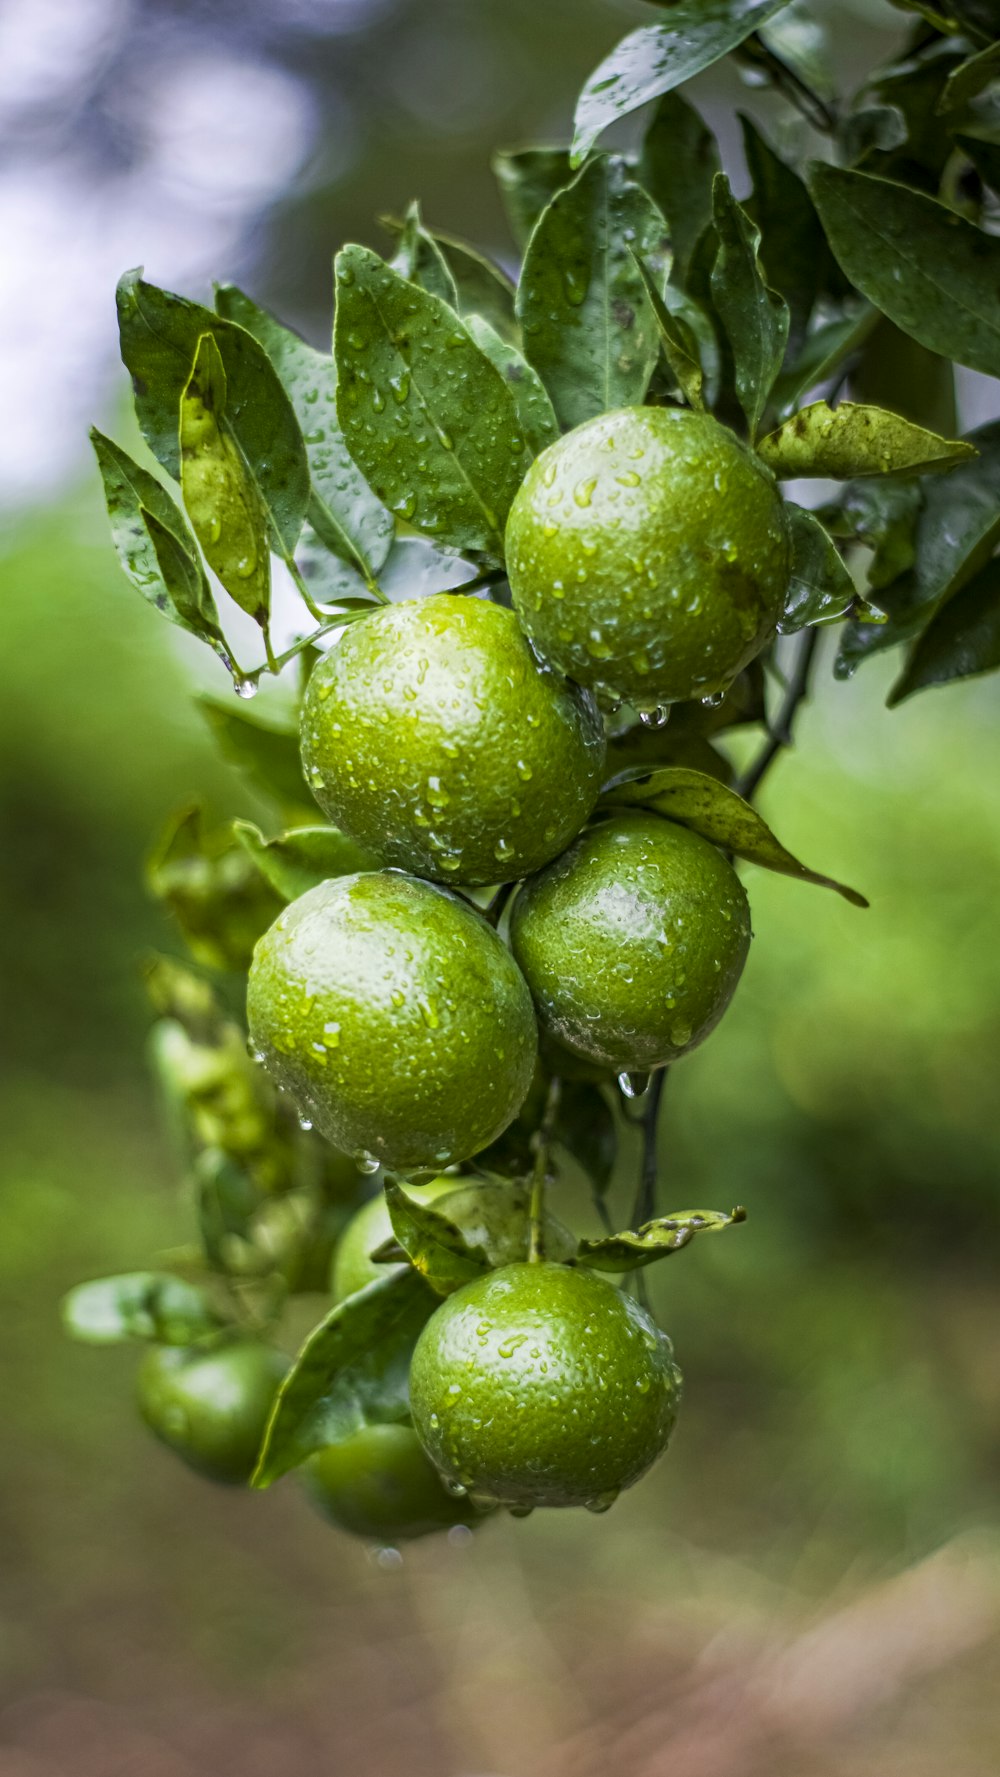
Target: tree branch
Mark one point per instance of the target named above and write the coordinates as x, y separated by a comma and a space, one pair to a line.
781, 729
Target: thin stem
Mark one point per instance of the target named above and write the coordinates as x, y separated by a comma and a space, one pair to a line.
539, 1176
645, 1197
488, 577
277, 663
807, 102
780, 731
272, 665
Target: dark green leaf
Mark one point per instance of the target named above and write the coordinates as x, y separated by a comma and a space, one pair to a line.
985, 157
831, 347
793, 247
353, 1370
872, 129
718, 814
802, 41
159, 338
755, 317
585, 1127
222, 500
960, 642
883, 515
656, 58
851, 440
342, 508
678, 163
820, 587
143, 1305
300, 859
435, 1247
269, 756
528, 180
214, 891
429, 420
482, 288
419, 259
680, 346
534, 409
588, 329
934, 274
655, 1240
970, 78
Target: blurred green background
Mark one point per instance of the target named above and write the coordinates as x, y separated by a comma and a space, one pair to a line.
811, 1580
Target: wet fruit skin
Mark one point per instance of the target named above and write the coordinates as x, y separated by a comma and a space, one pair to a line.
211, 1407
395, 1017
378, 1483
431, 734
541, 1385
633, 941
649, 554
369, 1228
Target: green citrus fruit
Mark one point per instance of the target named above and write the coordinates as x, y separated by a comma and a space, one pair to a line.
633, 941
542, 1385
395, 1017
431, 734
378, 1483
369, 1228
649, 554
211, 1407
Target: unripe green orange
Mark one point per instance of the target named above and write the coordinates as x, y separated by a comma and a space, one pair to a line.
378, 1483
649, 555
431, 734
633, 941
212, 1406
369, 1228
395, 1017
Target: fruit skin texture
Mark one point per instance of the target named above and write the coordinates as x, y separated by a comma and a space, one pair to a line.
378, 1483
369, 1228
541, 1385
649, 555
431, 734
212, 1407
633, 941
395, 1017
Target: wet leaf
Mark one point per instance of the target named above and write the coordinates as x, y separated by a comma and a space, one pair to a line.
961, 642
269, 756
529, 179
142, 516
680, 345
353, 1370
419, 259
298, 860
933, 273
657, 58
655, 1240
679, 161
851, 440
820, 588
718, 814
793, 246
221, 499
429, 420
342, 508
970, 78
755, 317
139, 1305
588, 329
159, 339
482, 289
212, 888
534, 409
435, 1247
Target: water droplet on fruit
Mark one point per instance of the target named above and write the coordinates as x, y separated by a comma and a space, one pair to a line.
602, 1502
633, 1085
305, 1124
366, 1163
245, 688
654, 718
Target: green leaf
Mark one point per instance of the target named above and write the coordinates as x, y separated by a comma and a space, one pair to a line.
820, 588
970, 78
221, 499
656, 58
755, 317
215, 892
718, 814
679, 160
534, 409
419, 259
435, 1247
226, 1201
985, 157
342, 508
142, 1305
142, 515
851, 440
298, 860
585, 1127
353, 1370
961, 642
269, 756
159, 339
529, 179
483, 290
429, 420
934, 274
830, 347
793, 249
588, 329
655, 1240
680, 346
802, 41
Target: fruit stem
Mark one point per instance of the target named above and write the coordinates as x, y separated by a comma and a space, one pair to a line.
645, 1197
541, 1142
780, 731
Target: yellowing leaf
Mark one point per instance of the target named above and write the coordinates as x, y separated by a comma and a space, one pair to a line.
851, 440
221, 498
